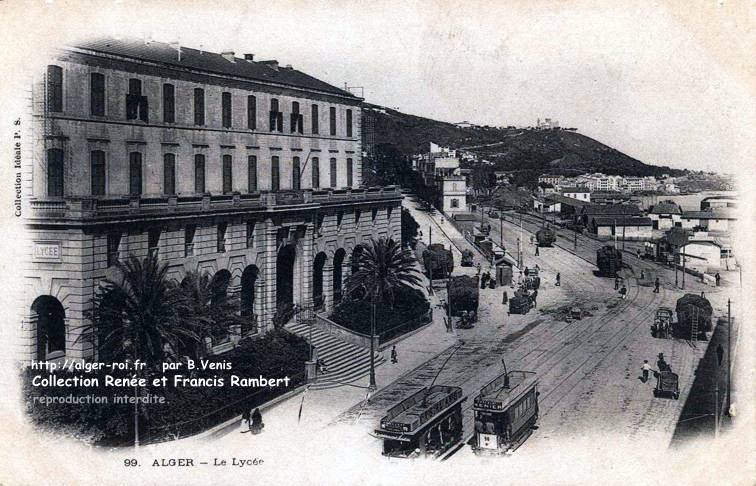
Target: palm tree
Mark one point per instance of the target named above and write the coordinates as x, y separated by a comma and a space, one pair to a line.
138, 316
382, 268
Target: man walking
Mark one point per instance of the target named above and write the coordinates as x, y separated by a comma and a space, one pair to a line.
717, 277
504, 297
393, 355
537, 253
616, 283
656, 285
645, 369
623, 292
558, 279
534, 297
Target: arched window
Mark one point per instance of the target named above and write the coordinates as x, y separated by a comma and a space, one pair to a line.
135, 173
228, 177
51, 327
97, 160
169, 174
295, 175
54, 88
55, 172
315, 173
199, 173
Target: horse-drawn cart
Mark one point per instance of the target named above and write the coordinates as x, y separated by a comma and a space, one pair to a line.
662, 323
667, 384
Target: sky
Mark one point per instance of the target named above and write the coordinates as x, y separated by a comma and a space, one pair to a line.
669, 84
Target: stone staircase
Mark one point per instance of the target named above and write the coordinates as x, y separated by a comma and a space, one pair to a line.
345, 362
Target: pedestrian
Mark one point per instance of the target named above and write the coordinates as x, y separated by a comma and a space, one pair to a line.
616, 283
504, 297
245, 420
623, 292
558, 279
662, 364
256, 424
643, 275
720, 354
393, 355
638, 253
322, 366
702, 295
478, 267
527, 271
492, 283
645, 369
537, 253
534, 296
717, 277
656, 285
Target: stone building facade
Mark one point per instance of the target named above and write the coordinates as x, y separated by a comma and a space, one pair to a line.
247, 171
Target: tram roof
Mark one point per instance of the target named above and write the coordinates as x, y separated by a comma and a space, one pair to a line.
495, 396
420, 408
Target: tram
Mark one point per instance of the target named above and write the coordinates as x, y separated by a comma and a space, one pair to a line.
505, 412
427, 423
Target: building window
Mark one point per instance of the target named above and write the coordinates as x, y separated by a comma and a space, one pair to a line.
97, 160
350, 174
349, 123
275, 181
221, 236
276, 116
251, 112
54, 88
135, 173
455, 203
199, 174
297, 120
332, 120
96, 94
315, 121
114, 242
252, 173
315, 173
333, 173
153, 241
228, 174
55, 173
136, 104
169, 174
189, 240
226, 109
169, 103
295, 175
250, 234
199, 106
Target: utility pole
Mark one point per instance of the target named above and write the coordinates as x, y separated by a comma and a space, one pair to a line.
683, 271
675, 263
624, 225
501, 231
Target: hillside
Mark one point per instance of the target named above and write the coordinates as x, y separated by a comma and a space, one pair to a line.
529, 152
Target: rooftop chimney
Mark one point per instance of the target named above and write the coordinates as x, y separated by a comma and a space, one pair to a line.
273, 64
228, 56
249, 57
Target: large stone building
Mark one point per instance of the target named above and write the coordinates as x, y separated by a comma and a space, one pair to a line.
245, 170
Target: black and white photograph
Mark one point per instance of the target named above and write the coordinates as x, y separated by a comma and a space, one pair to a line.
371, 243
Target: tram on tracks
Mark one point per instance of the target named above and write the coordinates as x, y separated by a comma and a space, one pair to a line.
505, 412
425, 424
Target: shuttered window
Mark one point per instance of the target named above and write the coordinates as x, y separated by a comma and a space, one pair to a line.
135, 173
199, 106
228, 177
315, 173
295, 175
275, 180
252, 173
55, 173
333, 173
96, 94
226, 110
350, 173
54, 88
332, 120
169, 103
169, 174
349, 123
97, 163
315, 121
251, 112
199, 173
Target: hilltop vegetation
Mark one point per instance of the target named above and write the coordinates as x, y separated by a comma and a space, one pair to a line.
527, 152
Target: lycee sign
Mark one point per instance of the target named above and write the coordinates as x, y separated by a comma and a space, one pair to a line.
46, 251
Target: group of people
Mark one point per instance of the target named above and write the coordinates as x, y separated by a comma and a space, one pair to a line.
252, 421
